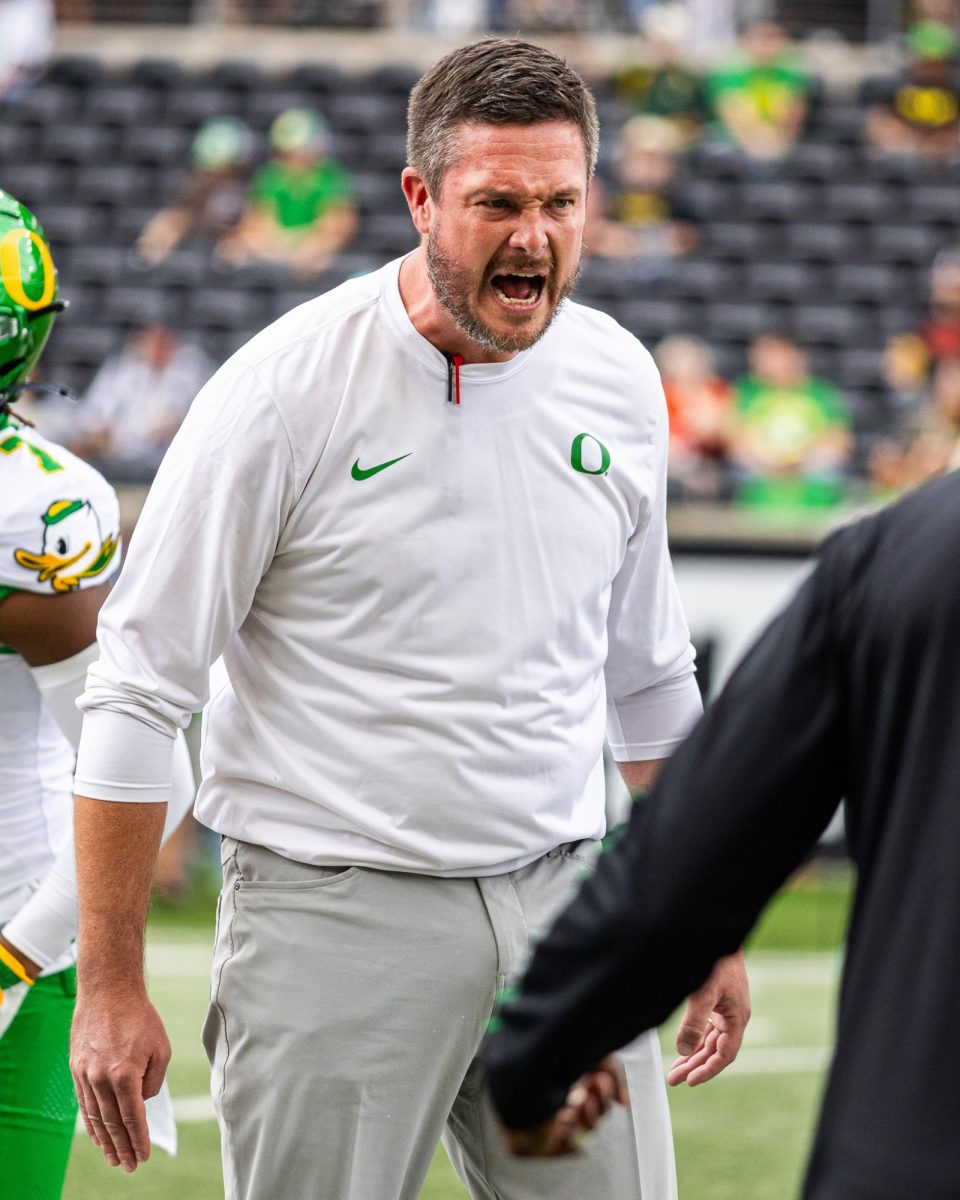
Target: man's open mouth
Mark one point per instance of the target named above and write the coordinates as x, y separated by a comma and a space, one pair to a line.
520, 290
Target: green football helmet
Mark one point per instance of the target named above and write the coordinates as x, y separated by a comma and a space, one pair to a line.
28, 294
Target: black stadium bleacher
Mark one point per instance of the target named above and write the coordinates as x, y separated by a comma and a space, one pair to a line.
833, 248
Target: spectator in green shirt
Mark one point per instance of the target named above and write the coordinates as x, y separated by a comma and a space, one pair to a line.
300, 208
663, 85
761, 100
791, 438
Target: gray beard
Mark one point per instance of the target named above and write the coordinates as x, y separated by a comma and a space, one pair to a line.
452, 283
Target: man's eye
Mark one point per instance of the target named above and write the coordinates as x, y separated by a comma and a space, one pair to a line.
499, 202
563, 202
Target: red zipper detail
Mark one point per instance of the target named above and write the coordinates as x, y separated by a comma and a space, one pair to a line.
457, 364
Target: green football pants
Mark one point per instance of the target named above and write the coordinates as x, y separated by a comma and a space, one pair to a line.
38, 1106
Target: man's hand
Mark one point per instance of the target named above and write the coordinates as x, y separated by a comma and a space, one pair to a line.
713, 1024
118, 1055
587, 1101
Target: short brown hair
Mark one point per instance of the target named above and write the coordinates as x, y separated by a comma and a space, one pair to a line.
496, 81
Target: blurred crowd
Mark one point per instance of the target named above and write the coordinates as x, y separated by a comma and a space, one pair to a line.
776, 436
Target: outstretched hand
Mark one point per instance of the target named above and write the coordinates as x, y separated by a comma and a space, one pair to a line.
587, 1101
713, 1024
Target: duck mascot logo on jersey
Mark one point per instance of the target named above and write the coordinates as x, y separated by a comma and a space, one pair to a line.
74, 547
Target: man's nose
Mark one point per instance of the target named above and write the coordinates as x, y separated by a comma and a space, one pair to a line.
530, 234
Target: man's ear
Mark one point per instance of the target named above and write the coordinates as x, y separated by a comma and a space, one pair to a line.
418, 198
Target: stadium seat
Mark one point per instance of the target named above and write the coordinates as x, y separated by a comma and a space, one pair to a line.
860, 367
933, 204
42, 104
875, 283
263, 106
899, 319
608, 279
236, 74
820, 241
830, 324
189, 105
112, 183
86, 345
701, 279
650, 320
841, 124
139, 305
159, 73
376, 192
908, 244
313, 77
740, 321
187, 266
820, 162
787, 281
37, 183
68, 225
169, 181
120, 104
710, 198
739, 240
385, 151
395, 79
99, 263
389, 234
222, 308
862, 202
777, 199
18, 143
72, 142
75, 70
156, 145
365, 112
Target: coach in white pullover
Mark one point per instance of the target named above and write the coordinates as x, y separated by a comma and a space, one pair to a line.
423, 523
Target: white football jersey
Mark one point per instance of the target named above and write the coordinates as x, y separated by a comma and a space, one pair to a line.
59, 531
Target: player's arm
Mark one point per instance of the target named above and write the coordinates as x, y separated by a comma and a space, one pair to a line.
715, 1019
53, 634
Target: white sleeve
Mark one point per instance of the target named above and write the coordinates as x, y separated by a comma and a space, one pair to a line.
60, 685
206, 536
47, 924
652, 695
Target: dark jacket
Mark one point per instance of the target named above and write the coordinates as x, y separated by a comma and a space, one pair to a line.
853, 691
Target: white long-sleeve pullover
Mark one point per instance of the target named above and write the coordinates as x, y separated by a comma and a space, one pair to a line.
427, 611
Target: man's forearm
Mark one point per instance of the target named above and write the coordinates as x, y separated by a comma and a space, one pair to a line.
117, 846
640, 776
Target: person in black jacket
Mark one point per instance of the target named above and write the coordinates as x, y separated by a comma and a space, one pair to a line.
853, 691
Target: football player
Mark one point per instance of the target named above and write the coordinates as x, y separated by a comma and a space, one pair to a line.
59, 548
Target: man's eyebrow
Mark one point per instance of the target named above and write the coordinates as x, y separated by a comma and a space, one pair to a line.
495, 193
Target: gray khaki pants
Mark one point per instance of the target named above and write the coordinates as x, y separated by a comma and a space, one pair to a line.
347, 1009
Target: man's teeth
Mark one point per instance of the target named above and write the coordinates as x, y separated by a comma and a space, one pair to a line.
526, 301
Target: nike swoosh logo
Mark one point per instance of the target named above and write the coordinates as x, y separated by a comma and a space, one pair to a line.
359, 473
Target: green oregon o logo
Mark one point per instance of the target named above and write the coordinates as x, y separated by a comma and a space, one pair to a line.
576, 455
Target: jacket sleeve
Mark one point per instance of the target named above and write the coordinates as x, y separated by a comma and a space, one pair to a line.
735, 811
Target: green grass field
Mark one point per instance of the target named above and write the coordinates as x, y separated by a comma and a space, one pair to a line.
742, 1137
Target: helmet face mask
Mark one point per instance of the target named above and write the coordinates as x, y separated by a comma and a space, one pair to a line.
28, 293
